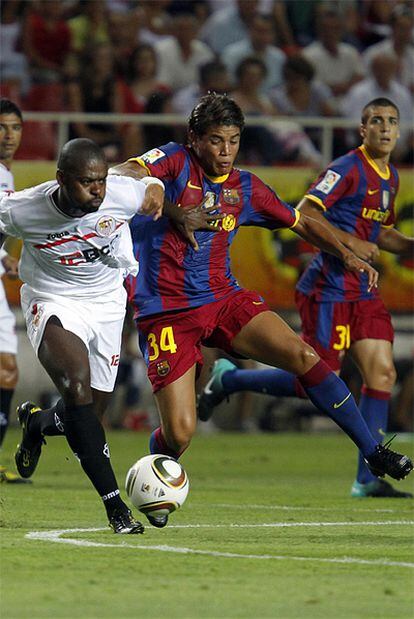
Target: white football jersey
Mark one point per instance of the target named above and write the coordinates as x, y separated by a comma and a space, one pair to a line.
6, 187
80, 257
6, 179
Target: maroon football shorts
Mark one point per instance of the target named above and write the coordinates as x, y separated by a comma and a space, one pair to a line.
332, 327
170, 342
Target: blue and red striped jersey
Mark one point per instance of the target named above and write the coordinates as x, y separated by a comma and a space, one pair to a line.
356, 197
172, 276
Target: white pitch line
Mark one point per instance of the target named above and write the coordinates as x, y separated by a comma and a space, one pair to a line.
55, 536
299, 509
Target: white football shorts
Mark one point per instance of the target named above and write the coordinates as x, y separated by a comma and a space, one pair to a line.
98, 323
8, 337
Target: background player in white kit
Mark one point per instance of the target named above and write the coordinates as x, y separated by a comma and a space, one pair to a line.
11, 125
74, 302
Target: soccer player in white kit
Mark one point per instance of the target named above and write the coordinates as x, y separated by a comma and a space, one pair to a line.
74, 302
11, 124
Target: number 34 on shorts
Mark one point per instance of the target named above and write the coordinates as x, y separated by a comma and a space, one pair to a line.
166, 343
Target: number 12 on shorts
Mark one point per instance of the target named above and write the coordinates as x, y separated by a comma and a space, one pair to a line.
166, 343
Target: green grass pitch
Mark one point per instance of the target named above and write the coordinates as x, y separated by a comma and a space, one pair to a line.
268, 531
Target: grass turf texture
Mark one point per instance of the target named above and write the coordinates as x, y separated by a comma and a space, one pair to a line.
236, 479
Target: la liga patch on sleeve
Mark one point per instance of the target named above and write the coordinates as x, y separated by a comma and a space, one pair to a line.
328, 182
152, 155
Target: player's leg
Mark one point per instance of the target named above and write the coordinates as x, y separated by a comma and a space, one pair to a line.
8, 376
267, 338
375, 361
177, 410
65, 357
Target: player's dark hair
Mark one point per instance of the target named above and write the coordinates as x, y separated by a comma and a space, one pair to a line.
8, 107
215, 110
378, 102
77, 153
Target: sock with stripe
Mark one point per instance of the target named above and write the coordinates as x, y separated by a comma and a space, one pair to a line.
331, 396
374, 405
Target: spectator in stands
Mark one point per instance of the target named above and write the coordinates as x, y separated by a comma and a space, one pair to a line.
399, 44
260, 43
46, 41
213, 77
228, 25
90, 26
336, 64
381, 83
14, 70
159, 103
181, 55
375, 21
142, 74
99, 90
257, 141
301, 94
124, 33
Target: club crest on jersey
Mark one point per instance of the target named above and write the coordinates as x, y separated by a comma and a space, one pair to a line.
105, 226
228, 223
152, 155
328, 182
163, 367
231, 196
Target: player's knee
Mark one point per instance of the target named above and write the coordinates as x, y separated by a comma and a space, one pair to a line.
181, 433
76, 388
9, 373
304, 357
387, 376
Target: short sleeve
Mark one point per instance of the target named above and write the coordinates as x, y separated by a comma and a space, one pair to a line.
7, 225
331, 185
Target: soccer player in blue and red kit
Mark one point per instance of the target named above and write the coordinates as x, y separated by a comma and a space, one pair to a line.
355, 198
185, 298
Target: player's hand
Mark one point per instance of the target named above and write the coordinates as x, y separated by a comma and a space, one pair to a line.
365, 249
199, 217
11, 265
356, 265
153, 203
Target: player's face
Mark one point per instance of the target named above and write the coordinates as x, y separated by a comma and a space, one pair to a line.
10, 135
84, 191
217, 149
381, 131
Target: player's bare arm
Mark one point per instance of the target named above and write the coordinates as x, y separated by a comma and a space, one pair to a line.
363, 249
129, 168
395, 242
317, 233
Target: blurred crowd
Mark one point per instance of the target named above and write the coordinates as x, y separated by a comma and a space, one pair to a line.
296, 58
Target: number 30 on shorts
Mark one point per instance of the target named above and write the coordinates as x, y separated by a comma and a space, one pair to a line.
166, 343
344, 334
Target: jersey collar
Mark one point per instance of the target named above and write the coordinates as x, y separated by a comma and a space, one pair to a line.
218, 179
385, 175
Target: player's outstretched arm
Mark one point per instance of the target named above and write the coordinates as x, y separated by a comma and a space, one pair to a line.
317, 233
129, 168
190, 219
363, 249
395, 242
